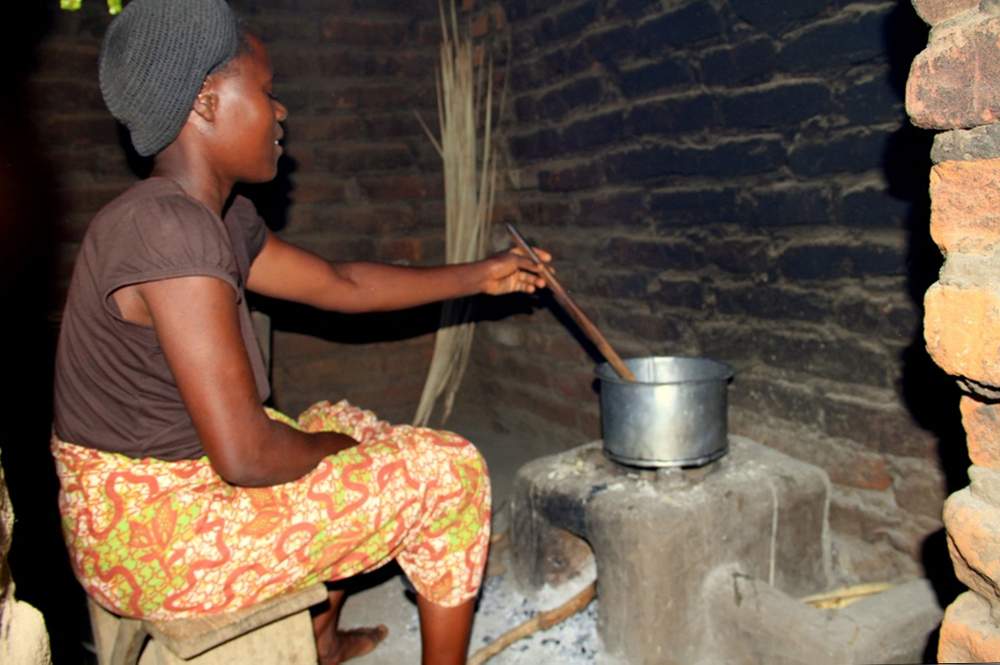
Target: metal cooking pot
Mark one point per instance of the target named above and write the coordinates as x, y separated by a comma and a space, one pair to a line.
674, 414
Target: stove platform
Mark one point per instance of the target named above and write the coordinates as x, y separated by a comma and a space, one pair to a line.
691, 563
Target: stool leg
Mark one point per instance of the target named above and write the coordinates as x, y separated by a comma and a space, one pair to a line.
128, 642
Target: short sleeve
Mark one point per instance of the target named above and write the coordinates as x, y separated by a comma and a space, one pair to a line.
165, 237
243, 214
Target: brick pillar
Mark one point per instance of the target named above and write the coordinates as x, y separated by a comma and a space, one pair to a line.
954, 85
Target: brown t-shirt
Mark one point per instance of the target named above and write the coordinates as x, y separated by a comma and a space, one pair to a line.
113, 388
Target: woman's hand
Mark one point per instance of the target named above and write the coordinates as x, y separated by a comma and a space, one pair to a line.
513, 271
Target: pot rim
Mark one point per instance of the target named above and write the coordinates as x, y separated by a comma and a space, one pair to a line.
606, 373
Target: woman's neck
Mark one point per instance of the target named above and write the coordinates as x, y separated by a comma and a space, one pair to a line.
194, 176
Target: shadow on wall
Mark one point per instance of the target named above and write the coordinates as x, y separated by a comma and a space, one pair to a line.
930, 395
38, 559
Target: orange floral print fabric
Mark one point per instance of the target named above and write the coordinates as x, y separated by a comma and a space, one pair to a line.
164, 540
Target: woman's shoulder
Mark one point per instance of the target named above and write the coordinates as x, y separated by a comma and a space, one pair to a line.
155, 210
152, 200
154, 228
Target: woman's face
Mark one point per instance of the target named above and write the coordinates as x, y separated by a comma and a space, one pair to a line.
248, 117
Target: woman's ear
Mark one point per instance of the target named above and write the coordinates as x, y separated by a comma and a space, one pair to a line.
207, 102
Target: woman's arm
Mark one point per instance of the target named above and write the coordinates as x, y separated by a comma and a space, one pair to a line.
197, 322
285, 271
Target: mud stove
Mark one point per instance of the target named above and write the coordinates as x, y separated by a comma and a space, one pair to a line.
706, 565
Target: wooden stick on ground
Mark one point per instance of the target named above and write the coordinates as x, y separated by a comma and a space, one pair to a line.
541, 621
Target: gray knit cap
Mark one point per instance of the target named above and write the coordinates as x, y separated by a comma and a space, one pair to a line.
155, 57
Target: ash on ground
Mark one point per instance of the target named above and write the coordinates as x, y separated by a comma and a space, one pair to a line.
502, 607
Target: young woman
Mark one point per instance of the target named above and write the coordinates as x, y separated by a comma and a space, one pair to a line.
181, 494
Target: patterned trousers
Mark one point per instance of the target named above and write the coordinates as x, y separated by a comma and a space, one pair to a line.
162, 540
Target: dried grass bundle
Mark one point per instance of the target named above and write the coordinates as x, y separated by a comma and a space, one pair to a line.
465, 107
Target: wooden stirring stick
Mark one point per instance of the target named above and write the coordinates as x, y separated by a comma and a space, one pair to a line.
563, 298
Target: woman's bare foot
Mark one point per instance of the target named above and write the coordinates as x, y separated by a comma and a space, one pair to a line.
336, 646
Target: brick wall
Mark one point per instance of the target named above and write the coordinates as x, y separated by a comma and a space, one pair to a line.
738, 180
953, 87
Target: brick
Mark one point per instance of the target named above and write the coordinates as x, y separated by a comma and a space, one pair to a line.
277, 29
981, 421
318, 189
962, 331
526, 76
480, 25
730, 159
296, 97
660, 330
617, 286
739, 158
662, 75
968, 632
518, 10
680, 293
402, 187
853, 151
853, 37
837, 261
567, 23
698, 207
782, 105
973, 540
578, 94
69, 96
609, 210
661, 255
564, 63
399, 124
861, 471
67, 60
777, 17
364, 32
688, 25
357, 158
919, 486
787, 205
539, 144
325, 128
936, 11
873, 208
80, 130
964, 200
593, 132
526, 109
545, 213
745, 62
723, 341
632, 7
771, 303
406, 251
953, 83
583, 176
738, 256
765, 395
882, 425
672, 116
612, 45
871, 100
291, 62
973, 144
882, 318
843, 360
651, 162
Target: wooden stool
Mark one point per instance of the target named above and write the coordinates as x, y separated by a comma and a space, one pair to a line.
275, 632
